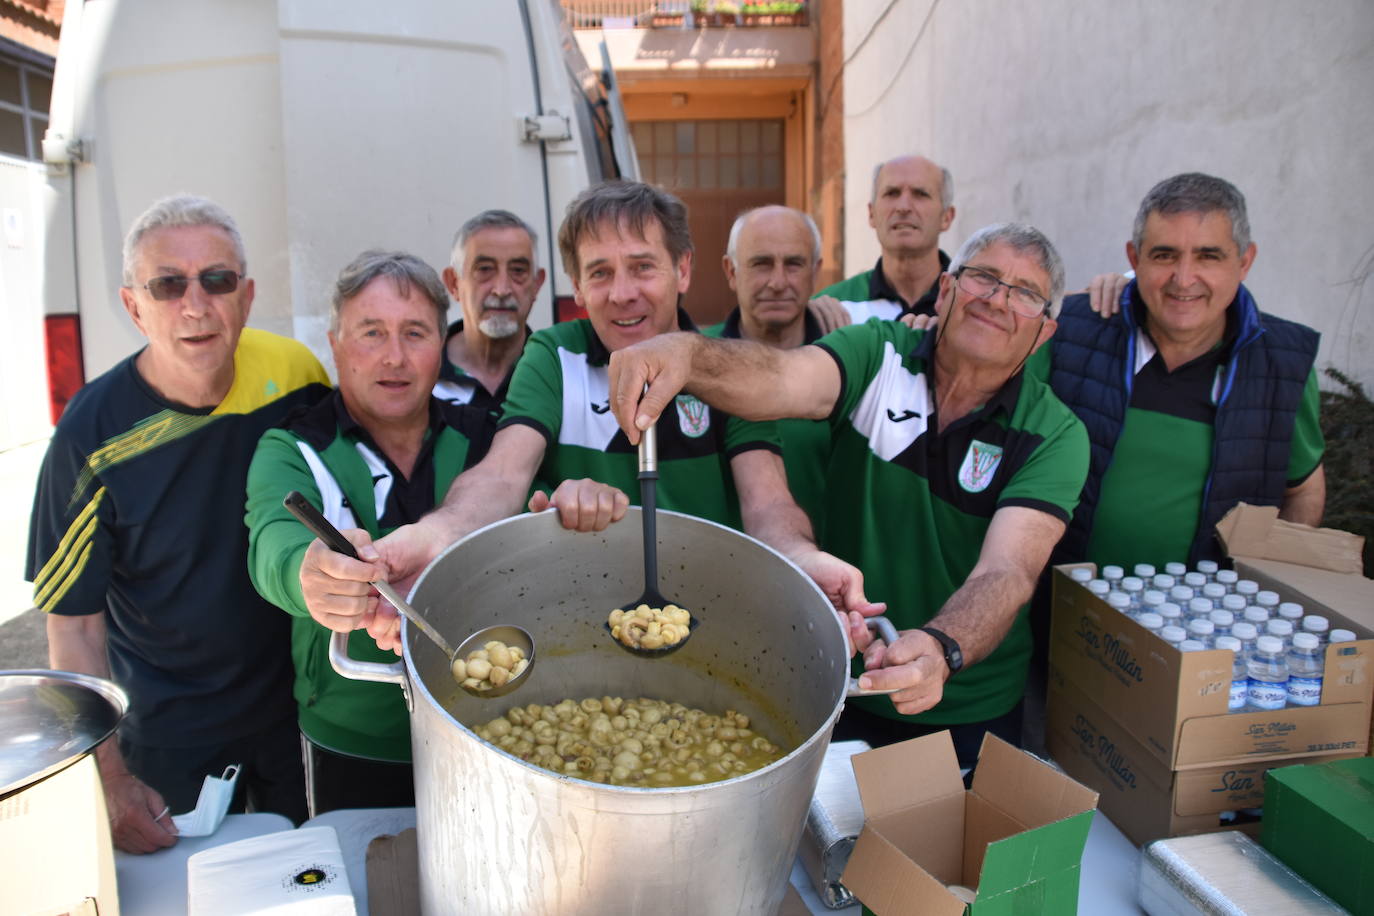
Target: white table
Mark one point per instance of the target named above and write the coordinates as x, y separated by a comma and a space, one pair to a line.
155, 884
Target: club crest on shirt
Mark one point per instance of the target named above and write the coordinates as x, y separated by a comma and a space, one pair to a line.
980, 464
693, 417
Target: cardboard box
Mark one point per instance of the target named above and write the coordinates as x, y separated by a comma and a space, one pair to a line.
1144, 798
1174, 703
1320, 821
1016, 837
55, 843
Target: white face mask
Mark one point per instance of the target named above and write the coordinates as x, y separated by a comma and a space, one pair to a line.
215, 795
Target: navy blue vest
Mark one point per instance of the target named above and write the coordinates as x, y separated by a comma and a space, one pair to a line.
1262, 387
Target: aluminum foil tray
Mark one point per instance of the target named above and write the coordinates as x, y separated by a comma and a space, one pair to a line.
833, 823
1223, 873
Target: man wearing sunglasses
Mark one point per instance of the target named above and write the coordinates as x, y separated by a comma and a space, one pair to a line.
136, 550
952, 475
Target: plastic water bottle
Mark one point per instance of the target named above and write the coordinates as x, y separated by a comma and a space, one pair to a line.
1235, 604
1292, 612
1318, 626
1195, 581
1208, 568
1227, 578
1267, 671
1175, 569
1151, 600
1222, 621
1269, 601
1248, 588
1199, 608
1150, 621
1341, 635
1306, 664
1120, 601
1113, 574
1257, 615
1192, 645
1134, 587
1172, 614
1181, 595
1240, 674
1245, 634
1144, 570
1174, 636
1201, 629
1162, 582
1214, 592
1081, 574
1281, 630
1100, 588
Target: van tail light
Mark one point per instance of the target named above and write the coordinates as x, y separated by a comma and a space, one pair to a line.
565, 308
66, 371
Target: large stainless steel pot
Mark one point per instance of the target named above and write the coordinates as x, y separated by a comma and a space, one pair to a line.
498, 835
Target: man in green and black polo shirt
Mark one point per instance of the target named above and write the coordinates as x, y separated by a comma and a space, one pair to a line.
628, 249
133, 551
377, 453
1194, 400
494, 276
912, 203
770, 262
951, 476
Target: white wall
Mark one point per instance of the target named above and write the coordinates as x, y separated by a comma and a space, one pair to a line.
1063, 113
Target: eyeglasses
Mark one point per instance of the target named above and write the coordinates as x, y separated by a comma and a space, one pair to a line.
215, 282
1025, 302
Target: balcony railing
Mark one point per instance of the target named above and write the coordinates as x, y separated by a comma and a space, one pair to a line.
683, 14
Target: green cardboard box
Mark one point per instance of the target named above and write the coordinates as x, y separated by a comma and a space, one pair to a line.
1320, 821
1016, 837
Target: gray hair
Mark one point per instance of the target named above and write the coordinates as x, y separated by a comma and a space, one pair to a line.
946, 182
732, 246
491, 219
633, 203
1022, 238
1194, 192
180, 210
405, 271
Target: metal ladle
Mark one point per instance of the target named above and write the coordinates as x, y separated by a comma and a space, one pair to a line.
648, 499
513, 636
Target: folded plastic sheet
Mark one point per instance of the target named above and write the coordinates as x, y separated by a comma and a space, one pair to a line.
833, 822
1223, 873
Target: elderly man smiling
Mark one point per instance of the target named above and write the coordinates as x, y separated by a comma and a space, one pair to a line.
377, 453
951, 475
1193, 398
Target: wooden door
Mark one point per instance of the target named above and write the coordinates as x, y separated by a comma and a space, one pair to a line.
719, 169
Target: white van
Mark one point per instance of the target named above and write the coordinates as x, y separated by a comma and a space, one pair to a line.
325, 128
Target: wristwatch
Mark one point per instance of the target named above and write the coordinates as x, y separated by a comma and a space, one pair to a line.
954, 656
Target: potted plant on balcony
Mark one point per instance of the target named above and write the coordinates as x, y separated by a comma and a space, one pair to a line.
668, 16
773, 12
714, 13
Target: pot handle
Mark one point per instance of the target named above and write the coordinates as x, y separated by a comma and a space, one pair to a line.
888, 633
355, 670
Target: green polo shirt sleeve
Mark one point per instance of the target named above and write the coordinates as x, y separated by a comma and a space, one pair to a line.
859, 350
1308, 444
1051, 478
276, 539
535, 398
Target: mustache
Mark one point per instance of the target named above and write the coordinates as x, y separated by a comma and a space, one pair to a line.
500, 302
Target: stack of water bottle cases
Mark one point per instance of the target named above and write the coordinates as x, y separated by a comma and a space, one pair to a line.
1172, 691
1278, 650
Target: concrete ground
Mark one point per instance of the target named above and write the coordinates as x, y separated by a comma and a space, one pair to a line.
23, 643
